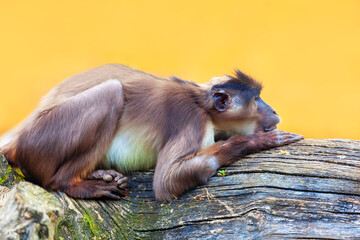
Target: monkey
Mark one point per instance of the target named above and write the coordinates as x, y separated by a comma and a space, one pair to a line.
95, 128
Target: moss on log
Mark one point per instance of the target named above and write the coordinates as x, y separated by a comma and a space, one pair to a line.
310, 189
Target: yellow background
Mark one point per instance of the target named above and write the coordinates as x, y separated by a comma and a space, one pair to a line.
306, 52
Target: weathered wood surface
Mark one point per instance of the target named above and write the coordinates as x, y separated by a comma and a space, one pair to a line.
306, 190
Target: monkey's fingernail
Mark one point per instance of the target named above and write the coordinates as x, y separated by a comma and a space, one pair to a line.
116, 179
107, 178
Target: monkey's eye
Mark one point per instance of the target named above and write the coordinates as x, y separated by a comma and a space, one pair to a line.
221, 101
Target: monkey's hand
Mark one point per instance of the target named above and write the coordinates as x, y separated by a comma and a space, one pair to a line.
108, 176
275, 138
240, 146
265, 140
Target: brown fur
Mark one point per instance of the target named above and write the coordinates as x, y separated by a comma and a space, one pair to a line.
68, 135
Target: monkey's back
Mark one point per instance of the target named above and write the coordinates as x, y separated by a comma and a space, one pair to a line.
155, 110
89, 79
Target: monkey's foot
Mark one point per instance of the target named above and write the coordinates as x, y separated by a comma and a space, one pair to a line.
95, 189
109, 176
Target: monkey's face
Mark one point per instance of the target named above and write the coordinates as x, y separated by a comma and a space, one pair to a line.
238, 108
236, 113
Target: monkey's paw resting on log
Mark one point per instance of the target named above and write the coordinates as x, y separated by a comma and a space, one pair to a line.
115, 117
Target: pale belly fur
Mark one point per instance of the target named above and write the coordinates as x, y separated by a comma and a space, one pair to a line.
131, 151
135, 150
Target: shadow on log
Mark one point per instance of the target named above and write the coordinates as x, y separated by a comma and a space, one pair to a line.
306, 190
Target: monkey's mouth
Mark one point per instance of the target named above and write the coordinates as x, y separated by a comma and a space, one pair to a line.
270, 128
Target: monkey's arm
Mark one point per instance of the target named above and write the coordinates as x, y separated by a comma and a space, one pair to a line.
175, 174
178, 168
226, 152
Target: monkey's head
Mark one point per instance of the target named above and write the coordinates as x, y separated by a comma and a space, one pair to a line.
237, 107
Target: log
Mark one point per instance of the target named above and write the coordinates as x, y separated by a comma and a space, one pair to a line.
307, 190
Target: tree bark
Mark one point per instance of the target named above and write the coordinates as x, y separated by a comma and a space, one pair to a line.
307, 190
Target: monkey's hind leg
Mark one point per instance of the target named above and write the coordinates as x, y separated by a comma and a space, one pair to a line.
85, 125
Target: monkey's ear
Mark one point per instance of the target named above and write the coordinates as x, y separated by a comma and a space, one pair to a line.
221, 100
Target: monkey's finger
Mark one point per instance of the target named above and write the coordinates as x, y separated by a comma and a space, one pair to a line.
119, 192
111, 195
112, 188
96, 174
291, 138
107, 178
100, 174
106, 175
284, 138
297, 137
114, 173
281, 132
122, 185
123, 180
